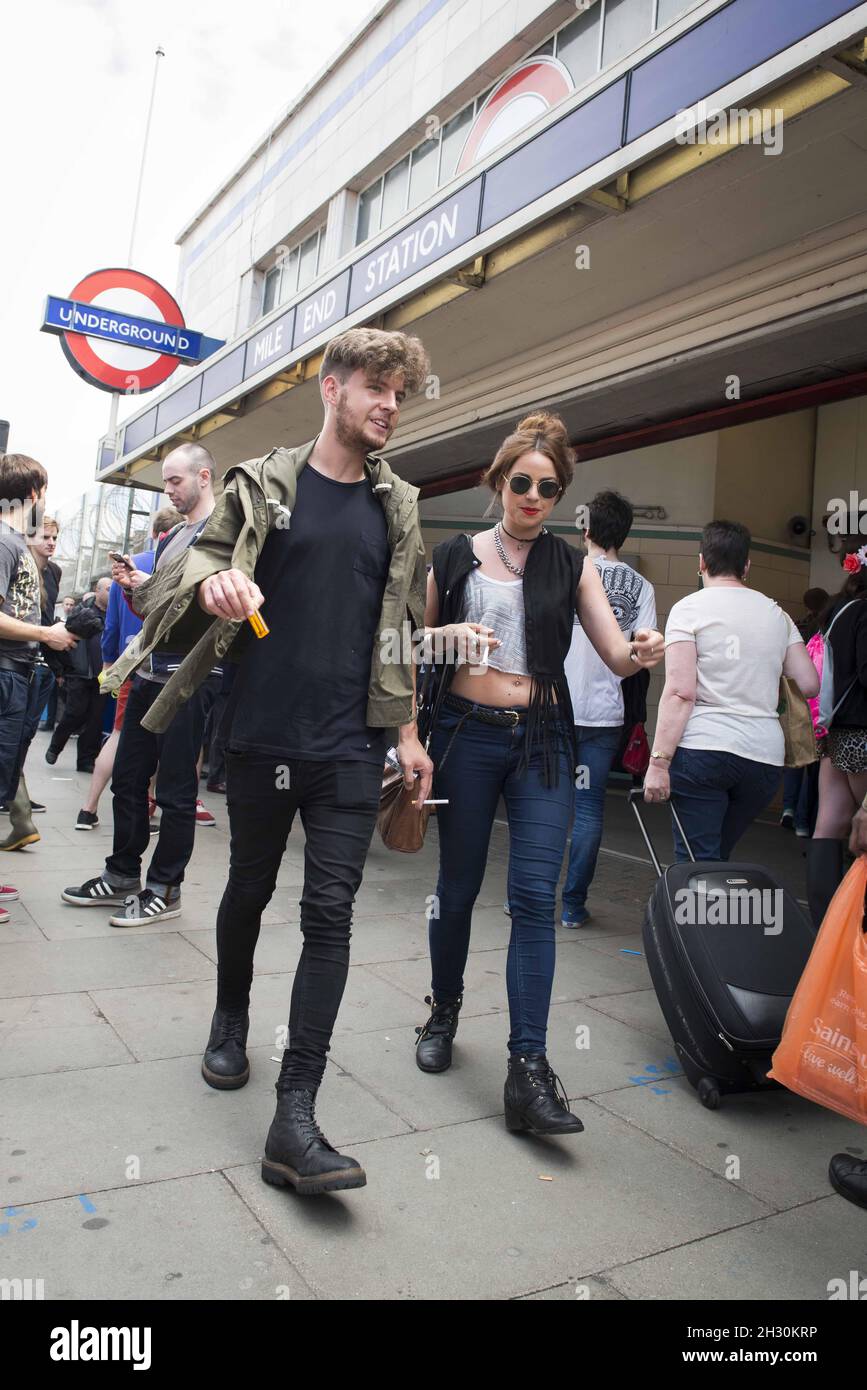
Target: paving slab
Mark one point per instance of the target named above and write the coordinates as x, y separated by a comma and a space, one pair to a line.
20, 927
579, 974
186, 1238
173, 1020
491, 1226
53, 1033
781, 1142
587, 1290
473, 1086
791, 1255
375, 938
68, 967
639, 1008
62, 1135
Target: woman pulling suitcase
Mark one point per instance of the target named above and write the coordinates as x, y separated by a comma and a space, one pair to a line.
505, 728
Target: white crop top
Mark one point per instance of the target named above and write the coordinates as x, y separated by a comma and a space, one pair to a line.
499, 604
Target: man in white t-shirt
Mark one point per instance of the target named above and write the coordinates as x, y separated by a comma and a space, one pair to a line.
719, 748
597, 694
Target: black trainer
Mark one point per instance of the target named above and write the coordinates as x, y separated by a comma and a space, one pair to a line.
225, 1065
96, 892
535, 1100
848, 1176
147, 906
433, 1049
87, 820
298, 1154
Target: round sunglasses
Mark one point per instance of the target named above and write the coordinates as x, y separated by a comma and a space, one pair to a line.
548, 487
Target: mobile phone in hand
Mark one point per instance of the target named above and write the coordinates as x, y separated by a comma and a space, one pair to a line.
120, 559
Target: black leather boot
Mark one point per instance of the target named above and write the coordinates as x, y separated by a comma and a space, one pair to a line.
534, 1098
297, 1152
225, 1065
849, 1177
433, 1049
824, 875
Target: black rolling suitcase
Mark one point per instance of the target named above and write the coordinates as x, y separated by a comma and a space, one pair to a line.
726, 946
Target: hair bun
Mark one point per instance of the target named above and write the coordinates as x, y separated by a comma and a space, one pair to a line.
543, 422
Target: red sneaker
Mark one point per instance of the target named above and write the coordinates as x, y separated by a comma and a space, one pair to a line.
8, 894
203, 815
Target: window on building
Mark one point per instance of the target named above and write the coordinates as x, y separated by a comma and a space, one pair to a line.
627, 24
293, 271
424, 167
670, 9
289, 278
369, 212
308, 261
454, 134
272, 286
394, 192
578, 45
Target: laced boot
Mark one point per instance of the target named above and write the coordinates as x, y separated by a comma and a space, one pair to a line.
433, 1049
535, 1100
225, 1065
297, 1152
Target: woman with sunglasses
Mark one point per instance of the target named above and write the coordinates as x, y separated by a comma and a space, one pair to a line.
504, 727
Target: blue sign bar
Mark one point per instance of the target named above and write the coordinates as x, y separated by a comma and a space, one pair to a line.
424, 241
66, 316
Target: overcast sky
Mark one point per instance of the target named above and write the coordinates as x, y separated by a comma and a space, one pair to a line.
76, 83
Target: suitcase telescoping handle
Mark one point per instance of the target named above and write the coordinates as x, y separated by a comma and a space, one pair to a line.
635, 797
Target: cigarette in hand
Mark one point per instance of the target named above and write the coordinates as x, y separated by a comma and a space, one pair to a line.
436, 803
258, 625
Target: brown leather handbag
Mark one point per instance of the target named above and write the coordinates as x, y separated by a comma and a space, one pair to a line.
402, 825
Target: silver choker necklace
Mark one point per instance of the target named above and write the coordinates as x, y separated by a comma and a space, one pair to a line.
501, 549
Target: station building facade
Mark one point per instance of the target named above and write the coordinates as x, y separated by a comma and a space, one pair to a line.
648, 215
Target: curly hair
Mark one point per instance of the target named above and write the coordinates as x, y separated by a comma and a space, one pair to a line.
379, 354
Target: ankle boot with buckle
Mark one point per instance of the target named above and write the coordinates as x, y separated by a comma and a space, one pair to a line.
225, 1065
535, 1100
297, 1152
433, 1049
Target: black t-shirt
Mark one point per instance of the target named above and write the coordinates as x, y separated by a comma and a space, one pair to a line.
301, 692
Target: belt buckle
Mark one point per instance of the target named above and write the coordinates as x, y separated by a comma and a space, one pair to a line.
516, 716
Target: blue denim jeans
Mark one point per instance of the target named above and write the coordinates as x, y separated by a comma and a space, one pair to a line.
801, 796
717, 796
480, 768
18, 696
596, 751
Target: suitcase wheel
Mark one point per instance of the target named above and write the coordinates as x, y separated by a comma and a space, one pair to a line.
708, 1093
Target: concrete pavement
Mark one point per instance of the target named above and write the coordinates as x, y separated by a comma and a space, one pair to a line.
123, 1175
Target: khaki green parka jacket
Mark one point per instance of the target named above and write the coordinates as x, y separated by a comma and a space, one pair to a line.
259, 496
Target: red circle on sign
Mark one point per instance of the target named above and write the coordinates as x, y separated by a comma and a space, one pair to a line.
542, 77
88, 364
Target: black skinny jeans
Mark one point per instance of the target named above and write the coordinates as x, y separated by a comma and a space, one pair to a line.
338, 803
172, 755
83, 714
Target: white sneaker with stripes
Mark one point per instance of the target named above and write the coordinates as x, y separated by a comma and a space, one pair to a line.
96, 892
147, 906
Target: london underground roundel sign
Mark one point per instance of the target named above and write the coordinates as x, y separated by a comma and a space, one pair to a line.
122, 331
525, 93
